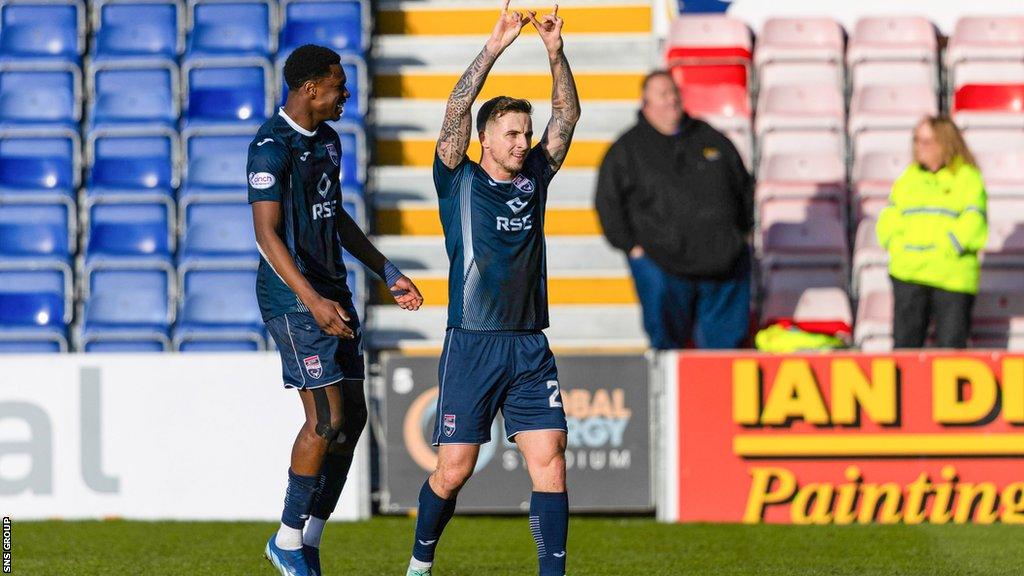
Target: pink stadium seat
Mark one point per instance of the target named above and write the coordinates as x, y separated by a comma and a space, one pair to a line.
1000, 301
813, 107
881, 73
802, 174
800, 73
799, 141
891, 107
816, 309
799, 40
868, 256
783, 279
1005, 246
709, 49
873, 328
802, 232
986, 38
985, 72
874, 171
892, 38
1003, 170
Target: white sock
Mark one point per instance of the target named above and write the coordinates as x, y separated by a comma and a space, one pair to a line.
288, 538
418, 564
314, 530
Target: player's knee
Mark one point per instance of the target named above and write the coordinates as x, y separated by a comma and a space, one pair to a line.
327, 429
452, 477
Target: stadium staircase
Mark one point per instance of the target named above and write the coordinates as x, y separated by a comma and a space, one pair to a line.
419, 52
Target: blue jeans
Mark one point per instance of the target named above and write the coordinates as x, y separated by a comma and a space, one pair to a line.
714, 313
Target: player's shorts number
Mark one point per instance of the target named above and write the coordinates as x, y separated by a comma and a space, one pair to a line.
553, 400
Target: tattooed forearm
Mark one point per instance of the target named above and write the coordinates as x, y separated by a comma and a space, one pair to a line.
455, 131
565, 111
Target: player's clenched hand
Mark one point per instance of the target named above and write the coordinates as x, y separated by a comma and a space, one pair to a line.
406, 294
508, 27
549, 27
331, 317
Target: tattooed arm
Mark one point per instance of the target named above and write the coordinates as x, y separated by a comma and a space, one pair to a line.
458, 122
565, 102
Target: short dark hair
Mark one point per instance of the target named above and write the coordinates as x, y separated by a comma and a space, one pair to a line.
309, 62
656, 74
497, 107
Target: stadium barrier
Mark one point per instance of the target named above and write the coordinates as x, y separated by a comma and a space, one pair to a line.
161, 436
841, 439
608, 409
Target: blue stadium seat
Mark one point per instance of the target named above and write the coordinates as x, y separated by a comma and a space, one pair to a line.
49, 29
356, 80
32, 230
219, 311
40, 94
224, 90
352, 202
132, 229
39, 163
34, 309
133, 29
236, 28
337, 24
123, 160
217, 231
353, 154
127, 310
132, 91
215, 163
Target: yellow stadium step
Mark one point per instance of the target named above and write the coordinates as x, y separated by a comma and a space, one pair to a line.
450, 20
584, 289
421, 219
416, 151
529, 85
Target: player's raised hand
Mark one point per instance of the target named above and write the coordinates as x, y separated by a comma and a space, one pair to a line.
331, 318
406, 294
508, 27
549, 27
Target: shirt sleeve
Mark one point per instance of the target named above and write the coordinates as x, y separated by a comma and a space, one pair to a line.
445, 176
267, 171
537, 165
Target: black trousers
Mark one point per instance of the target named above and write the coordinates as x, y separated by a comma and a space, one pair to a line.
915, 305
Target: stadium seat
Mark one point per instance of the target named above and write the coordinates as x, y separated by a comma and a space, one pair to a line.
222, 90
42, 29
35, 307
868, 255
873, 328
709, 49
799, 40
802, 232
132, 228
126, 309
900, 73
33, 230
133, 92
823, 309
998, 152
986, 38
142, 160
39, 163
891, 107
219, 232
892, 38
1005, 245
219, 311
242, 28
812, 107
801, 73
727, 108
342, 25
215, 162
353, 157
999, 305
874, 171
811, 174
989, 106
138, 28
985, 73
356, 81
40, 94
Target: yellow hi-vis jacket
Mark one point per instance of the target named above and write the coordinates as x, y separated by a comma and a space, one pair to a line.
935, 225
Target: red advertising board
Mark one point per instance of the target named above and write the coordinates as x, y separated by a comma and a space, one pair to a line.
846, 438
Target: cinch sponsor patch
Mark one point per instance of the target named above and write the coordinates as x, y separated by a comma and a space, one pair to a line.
261, 180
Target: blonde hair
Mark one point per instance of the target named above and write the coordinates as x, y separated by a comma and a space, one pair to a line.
949, 138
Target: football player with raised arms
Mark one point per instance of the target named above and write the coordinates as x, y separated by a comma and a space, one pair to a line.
295, 191
495, 355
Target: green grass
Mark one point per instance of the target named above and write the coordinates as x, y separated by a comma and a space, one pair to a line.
503, 546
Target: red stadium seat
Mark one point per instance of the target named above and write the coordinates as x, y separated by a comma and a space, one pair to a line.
709, 50
799, 40
989, 105
724, 100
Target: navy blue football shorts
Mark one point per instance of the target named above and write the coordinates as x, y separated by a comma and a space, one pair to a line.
310, 358
482, 372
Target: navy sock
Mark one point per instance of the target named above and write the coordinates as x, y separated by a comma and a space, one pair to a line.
331, 482
434, 514
297, 499
549, 522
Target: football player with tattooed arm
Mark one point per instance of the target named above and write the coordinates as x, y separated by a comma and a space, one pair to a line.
495, 354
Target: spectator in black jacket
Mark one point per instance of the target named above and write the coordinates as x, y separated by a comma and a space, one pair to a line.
674, 195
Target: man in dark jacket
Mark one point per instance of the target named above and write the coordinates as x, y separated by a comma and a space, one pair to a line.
674, 195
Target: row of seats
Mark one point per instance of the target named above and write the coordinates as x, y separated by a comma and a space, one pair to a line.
58, 29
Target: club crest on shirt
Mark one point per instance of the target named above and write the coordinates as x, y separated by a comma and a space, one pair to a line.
449, 425
313, 367
711, 154
332, 152
524, 184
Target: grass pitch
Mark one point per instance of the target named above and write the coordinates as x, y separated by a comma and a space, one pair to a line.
503, 547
